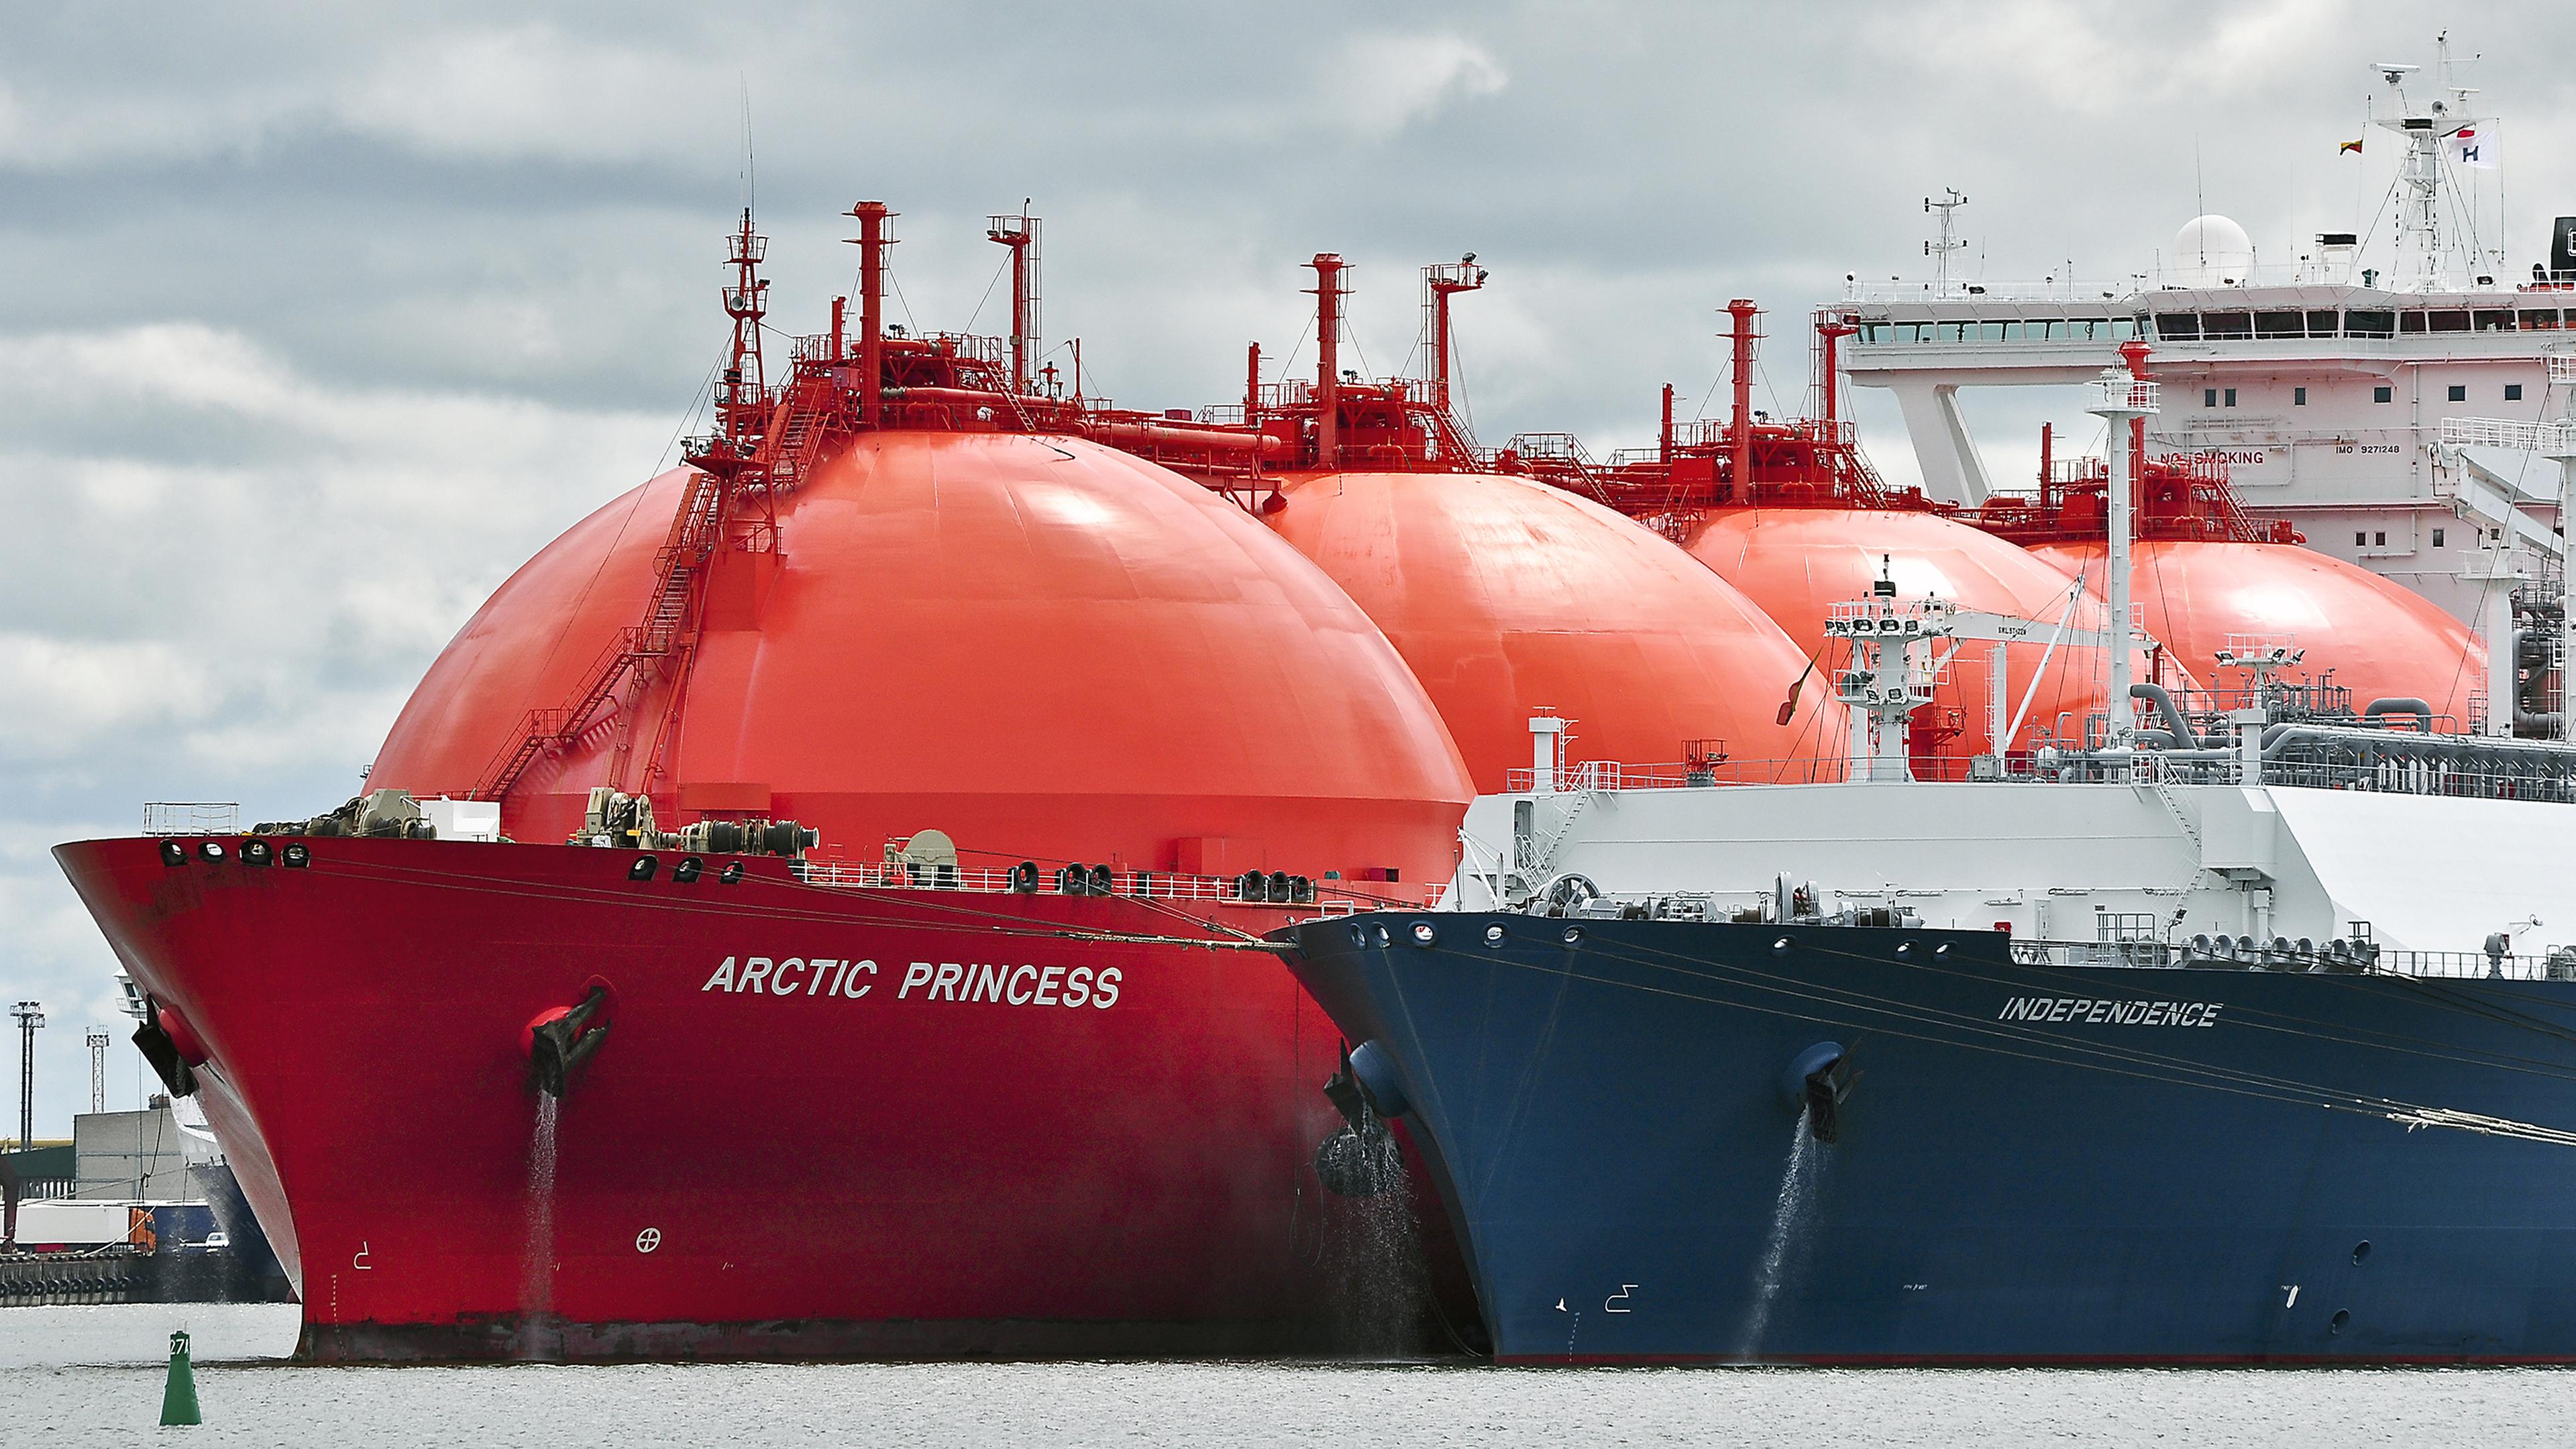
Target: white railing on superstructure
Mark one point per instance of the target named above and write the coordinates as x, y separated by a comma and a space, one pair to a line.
2547, 439
192, 817
2109, 393
2143, 287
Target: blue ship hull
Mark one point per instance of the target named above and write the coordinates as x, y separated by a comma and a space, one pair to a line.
2030, 1163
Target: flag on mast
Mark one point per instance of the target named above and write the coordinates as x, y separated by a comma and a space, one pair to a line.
2349, 148
2472, 146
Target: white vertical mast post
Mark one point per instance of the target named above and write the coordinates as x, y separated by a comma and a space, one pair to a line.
2120, 398
2560, 448
1547, 735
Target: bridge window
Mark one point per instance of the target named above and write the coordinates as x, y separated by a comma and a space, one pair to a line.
2124, 328
2321, 324
2227, 324
2513, 392
2543, 320
2494, 321
2280, 324
2370, 324
2450, 321
1990, 331
2177, 326
2410, 321
2013, 331
1955, 331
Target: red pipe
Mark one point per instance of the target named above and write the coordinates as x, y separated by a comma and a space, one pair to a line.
976, 396
1665, 447
1252, 387
872, 216
1209, 440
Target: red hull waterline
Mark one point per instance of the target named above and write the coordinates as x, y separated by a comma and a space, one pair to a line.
865, 1166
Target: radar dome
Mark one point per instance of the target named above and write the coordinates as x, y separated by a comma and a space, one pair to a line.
2212, 251
1508, 596
1043, 647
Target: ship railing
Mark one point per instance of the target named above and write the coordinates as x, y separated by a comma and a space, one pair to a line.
1587, 775
1161, 885
2135, 285
2304, 957
2557, 964
2549, 439
192, 817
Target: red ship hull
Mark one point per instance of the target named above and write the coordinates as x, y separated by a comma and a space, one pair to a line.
1111, 1157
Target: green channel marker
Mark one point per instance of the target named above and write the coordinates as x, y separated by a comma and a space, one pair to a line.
179, 1397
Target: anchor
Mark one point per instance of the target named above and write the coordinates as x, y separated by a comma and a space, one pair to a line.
561, 1039
1827, 1087
1360, 1159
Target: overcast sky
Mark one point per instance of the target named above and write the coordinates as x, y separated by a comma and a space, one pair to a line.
318, 323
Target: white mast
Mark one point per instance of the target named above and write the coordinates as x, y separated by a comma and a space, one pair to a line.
1950, 241
2421, 262
2119, 397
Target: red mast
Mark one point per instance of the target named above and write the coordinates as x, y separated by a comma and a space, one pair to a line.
1328, 358
1439, 284
1829, 332
742, 401
2134, 352
872, 244
1740, 428
1020, 234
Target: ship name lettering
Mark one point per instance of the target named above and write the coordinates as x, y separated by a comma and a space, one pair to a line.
1023, 985
2108, 1012
794, 976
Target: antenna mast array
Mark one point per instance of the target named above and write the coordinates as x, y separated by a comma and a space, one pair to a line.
29, 1015
2423, 256
1949, 242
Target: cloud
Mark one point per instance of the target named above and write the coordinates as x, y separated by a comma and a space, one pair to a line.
531, 90
1380, 84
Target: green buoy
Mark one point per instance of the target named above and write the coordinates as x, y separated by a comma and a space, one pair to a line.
179, 1397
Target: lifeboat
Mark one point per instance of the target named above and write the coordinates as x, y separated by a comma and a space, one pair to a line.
1509, 598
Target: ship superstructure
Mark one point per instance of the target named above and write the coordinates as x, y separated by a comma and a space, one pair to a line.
2341, 389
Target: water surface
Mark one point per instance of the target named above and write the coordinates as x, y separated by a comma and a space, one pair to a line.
1143, 1406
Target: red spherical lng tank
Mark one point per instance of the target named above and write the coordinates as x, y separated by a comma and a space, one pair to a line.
1797, 563
1508, 596
1048, 649
2380, 640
